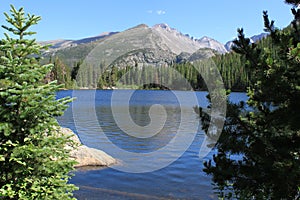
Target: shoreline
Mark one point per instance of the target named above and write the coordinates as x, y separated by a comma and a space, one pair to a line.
66, 89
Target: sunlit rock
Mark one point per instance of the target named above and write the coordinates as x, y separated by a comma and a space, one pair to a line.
86, 156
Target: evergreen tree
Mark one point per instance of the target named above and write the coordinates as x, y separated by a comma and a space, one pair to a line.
61, 73
33, 161
75, 70
258, 151
100, 84
113, 76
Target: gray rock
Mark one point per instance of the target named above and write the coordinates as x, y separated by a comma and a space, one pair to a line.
86, 156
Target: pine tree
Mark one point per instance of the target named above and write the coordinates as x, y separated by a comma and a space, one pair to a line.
33, 161
258, 151
61, 73
75, 70
113, 75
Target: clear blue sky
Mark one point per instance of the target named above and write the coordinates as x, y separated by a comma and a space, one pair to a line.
219, 19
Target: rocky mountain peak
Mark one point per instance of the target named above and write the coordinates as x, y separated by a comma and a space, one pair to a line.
140, 26
207, 42
165, 27
183, 42
205, 38
162, 25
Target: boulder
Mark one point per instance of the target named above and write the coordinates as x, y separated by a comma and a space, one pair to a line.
86, 156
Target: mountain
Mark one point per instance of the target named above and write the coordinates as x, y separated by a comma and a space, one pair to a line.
201, 54
157, 45
61, 44
229, 45
253, 39
259, 37
132, 42
147, 56
206, 42
178, 42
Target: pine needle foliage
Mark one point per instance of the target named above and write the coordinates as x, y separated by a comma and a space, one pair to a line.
259, 148
33, 161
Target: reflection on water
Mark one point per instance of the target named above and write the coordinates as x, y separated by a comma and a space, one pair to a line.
182, 179
140, 115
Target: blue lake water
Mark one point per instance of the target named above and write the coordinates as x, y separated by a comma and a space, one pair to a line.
97, 116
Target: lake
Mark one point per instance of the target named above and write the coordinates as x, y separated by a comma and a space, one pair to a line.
156, 135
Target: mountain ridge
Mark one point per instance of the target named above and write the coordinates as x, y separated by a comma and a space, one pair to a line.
253, 39
64, 43
156, 45
189, 43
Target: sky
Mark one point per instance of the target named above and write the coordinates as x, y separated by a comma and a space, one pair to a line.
76, 19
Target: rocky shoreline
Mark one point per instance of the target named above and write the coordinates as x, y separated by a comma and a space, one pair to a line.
86, 156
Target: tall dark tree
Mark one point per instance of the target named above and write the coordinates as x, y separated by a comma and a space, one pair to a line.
75, 70
259, 148
33, 161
